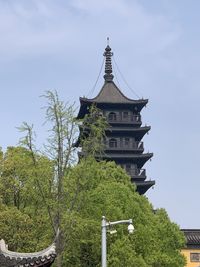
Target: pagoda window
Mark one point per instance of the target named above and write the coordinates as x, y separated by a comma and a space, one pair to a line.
136, 171
127, 142
128, 168
112, 116
113, 143
125, 115
137, 118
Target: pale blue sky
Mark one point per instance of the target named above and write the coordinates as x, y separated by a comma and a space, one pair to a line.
48, 44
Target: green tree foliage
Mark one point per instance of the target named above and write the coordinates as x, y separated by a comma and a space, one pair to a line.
19, 177
59, 149
105, 189
40, 191
20, 195
93, 129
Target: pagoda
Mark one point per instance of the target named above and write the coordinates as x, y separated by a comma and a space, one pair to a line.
123, 141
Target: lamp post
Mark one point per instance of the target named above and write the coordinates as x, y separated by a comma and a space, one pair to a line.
104, 225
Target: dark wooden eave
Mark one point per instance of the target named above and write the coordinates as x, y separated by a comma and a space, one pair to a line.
139, 159
192, 238
142, 187
43, 258
109, 95
138, 132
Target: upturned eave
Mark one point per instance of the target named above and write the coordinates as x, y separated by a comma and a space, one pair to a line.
109, 95
142, 187
139, 159
43, 258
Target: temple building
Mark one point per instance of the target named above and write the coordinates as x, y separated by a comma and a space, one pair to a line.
123, 142
44, 258
192, 249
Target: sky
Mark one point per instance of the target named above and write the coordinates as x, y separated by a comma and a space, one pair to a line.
59, 45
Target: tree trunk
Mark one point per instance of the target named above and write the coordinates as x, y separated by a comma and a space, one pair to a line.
59, 261
59, 250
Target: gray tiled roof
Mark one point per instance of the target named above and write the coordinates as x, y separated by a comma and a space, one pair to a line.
192, 237
42, 258
110, 93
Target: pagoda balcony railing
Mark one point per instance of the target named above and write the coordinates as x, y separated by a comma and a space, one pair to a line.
128, 119
137, 174
122, 146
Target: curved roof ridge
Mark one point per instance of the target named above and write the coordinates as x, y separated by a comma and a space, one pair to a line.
45, 252
111, 93
116, 88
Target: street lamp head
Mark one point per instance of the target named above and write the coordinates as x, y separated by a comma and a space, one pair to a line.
130, 228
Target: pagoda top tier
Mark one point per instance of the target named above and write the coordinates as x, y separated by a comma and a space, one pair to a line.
110, 94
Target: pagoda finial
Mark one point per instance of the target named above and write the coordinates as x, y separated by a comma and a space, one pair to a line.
108, 40
108, 63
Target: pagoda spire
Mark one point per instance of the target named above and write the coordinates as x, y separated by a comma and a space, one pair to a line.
108, 76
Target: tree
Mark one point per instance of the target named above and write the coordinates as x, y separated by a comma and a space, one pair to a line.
92, 135
105, 189
59, 149
16, 228
20, 195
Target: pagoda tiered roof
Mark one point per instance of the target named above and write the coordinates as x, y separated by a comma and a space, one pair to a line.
110, 95
143, 186
138, 132
139, 159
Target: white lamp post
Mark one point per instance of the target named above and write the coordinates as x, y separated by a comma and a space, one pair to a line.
104, 225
